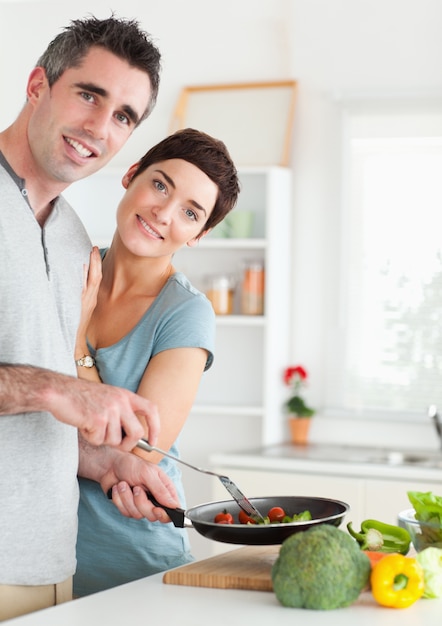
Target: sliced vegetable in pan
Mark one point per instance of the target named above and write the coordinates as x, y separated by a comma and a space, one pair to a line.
275, 515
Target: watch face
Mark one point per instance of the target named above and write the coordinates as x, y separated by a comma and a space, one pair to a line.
88, 361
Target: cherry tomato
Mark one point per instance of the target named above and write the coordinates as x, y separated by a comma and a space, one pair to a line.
245, 519
223, 518
276, 514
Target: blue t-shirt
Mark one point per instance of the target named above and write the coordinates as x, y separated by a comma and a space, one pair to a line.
113, 549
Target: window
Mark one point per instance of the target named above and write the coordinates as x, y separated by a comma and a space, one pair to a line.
391, 270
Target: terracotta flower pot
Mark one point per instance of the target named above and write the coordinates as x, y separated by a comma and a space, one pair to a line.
299, 429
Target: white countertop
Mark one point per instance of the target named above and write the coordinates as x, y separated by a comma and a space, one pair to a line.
149, 601
364, 461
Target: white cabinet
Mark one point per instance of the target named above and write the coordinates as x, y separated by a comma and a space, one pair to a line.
379, 498
262, 484
251, 350
387, 498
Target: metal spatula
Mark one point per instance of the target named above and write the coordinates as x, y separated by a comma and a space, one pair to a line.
234, 491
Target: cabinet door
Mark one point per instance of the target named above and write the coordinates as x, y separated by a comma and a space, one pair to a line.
384, 499
236, 378
262, 484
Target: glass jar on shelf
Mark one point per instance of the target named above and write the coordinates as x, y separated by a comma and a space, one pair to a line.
220, 290
252, 289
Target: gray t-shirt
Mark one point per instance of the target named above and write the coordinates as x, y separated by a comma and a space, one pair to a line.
41, 273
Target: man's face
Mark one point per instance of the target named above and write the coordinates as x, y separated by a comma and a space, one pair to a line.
83, 120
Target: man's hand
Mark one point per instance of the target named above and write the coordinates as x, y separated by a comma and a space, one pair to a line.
129, 476
102, 413
133, 502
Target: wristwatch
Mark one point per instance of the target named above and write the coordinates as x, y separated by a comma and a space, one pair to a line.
86, 361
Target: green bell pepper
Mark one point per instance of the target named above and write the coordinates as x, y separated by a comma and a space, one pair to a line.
380, 537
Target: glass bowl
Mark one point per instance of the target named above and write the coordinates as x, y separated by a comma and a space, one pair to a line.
423, 534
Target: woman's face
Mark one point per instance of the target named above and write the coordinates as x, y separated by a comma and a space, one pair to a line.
165, 207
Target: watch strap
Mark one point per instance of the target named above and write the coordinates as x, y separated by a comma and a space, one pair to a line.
85, 361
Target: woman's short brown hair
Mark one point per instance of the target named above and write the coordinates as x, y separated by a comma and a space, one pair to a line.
208, 154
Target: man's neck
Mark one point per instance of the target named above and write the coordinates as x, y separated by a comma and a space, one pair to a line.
15, 150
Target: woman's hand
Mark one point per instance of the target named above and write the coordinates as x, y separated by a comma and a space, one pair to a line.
129, 477
91, 283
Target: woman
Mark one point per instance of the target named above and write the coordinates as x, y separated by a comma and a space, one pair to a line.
148, 329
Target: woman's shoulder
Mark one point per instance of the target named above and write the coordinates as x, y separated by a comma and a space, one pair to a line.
181, 286
181, 297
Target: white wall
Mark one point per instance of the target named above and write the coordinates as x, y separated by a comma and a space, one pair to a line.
201, 42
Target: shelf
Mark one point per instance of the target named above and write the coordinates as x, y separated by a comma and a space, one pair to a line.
240, 411
229, 243
240, 320
245, 386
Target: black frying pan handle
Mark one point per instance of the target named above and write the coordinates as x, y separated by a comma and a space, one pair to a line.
176, 515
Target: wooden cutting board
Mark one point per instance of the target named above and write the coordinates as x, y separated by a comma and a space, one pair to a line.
242, 568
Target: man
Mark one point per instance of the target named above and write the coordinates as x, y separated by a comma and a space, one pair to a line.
95, 83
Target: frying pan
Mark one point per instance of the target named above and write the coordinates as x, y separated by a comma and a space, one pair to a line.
323, 511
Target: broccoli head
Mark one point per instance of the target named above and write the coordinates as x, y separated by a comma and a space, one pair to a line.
320, 568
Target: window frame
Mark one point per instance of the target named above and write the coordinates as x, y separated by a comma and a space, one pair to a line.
334, 321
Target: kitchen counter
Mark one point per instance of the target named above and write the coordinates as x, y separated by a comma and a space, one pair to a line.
149, 601
344, 460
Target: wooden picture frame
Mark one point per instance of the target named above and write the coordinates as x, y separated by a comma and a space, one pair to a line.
254, 120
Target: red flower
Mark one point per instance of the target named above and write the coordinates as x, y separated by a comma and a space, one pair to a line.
295, 377
290, 372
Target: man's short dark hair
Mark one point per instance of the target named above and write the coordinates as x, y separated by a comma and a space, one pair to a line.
122, 37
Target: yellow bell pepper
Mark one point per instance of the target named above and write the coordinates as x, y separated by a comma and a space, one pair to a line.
397, 581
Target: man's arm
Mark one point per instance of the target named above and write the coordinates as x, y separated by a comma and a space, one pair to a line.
102, 413
129, 477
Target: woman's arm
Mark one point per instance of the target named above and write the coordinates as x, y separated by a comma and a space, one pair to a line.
171, 381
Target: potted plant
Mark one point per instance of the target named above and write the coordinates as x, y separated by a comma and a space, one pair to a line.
299, 413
